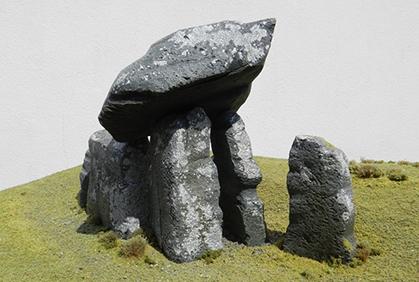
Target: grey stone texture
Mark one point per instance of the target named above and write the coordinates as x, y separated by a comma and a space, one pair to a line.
84, 178
170, 183
210, 66
186, 216
239, 176
322, 213
115, 181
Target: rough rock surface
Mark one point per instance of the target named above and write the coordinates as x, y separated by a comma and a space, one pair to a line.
239, 175
210, 66
322, 214
186, 216
85, 176
118, 183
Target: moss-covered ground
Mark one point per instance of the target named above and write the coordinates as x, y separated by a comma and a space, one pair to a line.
44, 236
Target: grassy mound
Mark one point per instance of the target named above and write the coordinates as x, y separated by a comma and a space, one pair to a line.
44, 236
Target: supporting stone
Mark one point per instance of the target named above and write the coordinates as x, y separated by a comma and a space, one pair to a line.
98, 142
84, 177
186, 217
118, 183
321, 214
239, 176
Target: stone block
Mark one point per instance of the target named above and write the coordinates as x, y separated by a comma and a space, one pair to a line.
322, 213
239, 176
186, 216
210, 66
119, 180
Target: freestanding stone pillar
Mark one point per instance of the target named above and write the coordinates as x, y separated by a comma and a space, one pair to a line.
115, 183
186, 217
322, 214
239, 175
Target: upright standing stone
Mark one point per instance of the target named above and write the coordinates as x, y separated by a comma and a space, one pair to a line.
239, 175
186, 217
322, 214
92, 168
119, 182
84, 177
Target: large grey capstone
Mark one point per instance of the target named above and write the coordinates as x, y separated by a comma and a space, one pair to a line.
115, 181
186, 216
210, 66
322, 213
239, 176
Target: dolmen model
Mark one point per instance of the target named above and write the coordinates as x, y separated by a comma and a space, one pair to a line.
152, 169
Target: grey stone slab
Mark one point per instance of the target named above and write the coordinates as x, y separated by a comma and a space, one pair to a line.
210, 66
322, 213
119, 180
186, 216
239, 176
98, 142
84, 177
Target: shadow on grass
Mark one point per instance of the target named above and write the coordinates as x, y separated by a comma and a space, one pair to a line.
92, 229
272, 236
92, 226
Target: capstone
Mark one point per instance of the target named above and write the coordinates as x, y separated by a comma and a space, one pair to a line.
210, 66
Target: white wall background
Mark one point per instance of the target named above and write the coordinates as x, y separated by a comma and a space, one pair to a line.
344, 70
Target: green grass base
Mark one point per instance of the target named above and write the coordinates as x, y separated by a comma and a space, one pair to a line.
44, 237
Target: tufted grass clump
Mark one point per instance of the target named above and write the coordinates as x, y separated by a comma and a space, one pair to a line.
108, 239
133, 247
138, 232
353, 167
363, 250
369, 171
367, 161
403, 163
396, 175
147, 234
210, 255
